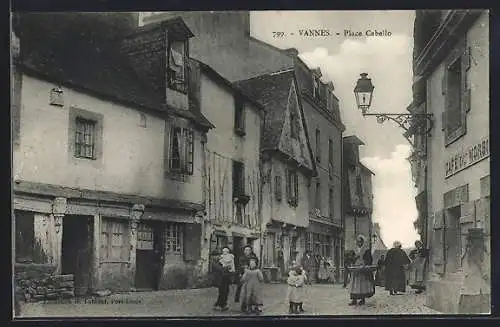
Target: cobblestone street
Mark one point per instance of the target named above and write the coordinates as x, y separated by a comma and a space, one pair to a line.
328, 300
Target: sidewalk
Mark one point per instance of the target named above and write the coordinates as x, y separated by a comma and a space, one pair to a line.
320, 300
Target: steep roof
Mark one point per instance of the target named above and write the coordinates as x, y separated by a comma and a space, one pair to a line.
73, 50
271, 91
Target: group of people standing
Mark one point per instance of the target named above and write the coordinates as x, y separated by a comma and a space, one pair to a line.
390, 270
247, 276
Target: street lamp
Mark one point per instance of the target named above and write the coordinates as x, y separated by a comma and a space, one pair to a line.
412, 123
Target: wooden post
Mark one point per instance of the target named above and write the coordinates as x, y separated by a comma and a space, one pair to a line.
96, 246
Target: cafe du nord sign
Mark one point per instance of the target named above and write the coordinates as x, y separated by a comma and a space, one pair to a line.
467, 157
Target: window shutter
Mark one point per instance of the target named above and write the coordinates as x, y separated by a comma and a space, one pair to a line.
277, 187
192, 239
443, 121
444, 82
288, 185
438, 243
466, 58
296, 185
467, 100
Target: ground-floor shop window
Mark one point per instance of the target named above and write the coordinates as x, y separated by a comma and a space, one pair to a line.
174, 235
115, 243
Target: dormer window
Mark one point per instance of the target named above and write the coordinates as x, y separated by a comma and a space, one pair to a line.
316, 87
239, 116
177, 64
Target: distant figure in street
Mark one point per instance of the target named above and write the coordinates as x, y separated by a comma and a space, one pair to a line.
362, 283
308, 263
418, 256
295, 294
225, 268
252, 280
395, 262
348, 261
380, 274
243, 263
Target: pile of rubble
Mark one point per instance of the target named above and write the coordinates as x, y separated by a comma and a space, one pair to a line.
37, 282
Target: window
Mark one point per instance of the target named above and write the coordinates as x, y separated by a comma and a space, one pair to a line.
318, 195
181, 150
85, 138
318, 145
292, 189
316, 87
456, 92
454, 89
277, 188
238, 179
114, 240
322, 93
173, 238
330, 202
239, 116
176, 64
330, 159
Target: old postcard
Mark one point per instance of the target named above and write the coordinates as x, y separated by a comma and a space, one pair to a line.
250, 163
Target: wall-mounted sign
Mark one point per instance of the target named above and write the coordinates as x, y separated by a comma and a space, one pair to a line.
467, 157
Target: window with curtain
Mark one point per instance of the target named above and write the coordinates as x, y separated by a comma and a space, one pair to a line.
177, 64
181, 150
174, 236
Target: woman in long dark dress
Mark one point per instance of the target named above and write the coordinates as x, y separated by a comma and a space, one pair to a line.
225, 273
362, 283
395, 262
418, 257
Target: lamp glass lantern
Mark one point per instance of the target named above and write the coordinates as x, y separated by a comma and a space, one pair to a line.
364, 93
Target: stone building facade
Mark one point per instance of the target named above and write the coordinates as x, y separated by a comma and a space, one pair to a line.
224, 42
231, 164
451, 166
107, 156
358, 194
287, 168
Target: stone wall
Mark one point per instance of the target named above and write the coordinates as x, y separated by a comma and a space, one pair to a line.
36, 282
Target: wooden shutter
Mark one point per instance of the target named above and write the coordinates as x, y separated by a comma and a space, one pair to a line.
467, 219
438, 243
452, 241
483, 213
443, 121
192, 240
277, 187
466, 59
288, 185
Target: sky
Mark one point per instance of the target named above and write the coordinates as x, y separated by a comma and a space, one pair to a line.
388, 61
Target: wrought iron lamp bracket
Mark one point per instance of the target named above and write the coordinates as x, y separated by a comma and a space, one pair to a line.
413, 124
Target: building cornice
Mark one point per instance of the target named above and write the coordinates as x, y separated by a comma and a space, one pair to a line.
455, 25
323, 111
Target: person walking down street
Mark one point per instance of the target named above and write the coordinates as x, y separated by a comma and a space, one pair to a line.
308, 263
380, 275
225, 267
243, 263
252, 280
395, 262
348, 261
295, 294
362, 283
418, 256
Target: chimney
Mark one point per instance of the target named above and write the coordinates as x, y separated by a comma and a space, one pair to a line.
292, 52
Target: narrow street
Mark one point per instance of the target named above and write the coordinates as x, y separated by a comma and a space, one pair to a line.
328, 300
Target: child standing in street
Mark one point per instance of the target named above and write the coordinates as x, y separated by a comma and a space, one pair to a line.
295, 295
252, 280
